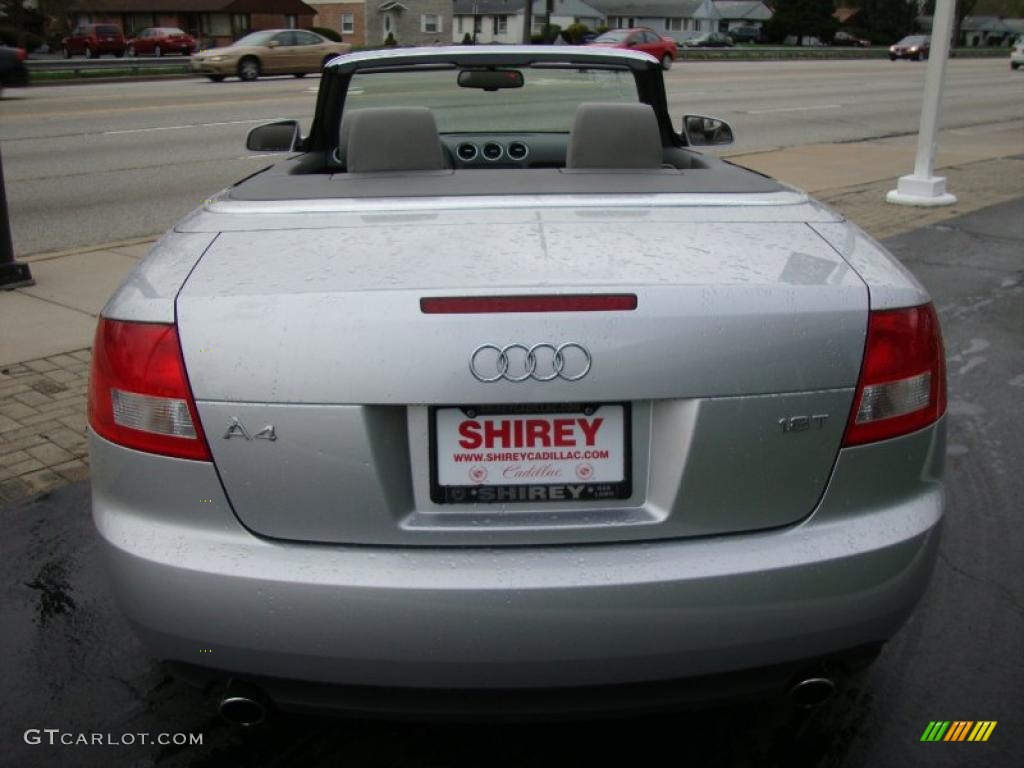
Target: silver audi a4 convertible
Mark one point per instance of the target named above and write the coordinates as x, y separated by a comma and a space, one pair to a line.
497, 392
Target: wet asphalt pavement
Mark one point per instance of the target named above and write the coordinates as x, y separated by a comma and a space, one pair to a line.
68, 660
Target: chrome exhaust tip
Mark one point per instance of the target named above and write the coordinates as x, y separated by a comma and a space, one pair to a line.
243, 704
812, 691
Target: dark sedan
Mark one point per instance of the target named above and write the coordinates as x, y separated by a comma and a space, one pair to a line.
747, 34
848, 39
709, 40
914, 47
12, 67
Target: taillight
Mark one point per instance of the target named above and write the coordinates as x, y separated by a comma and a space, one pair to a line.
902, 385
139, 395
20, 54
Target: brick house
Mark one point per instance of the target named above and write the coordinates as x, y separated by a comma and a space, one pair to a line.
348, 19
212, 22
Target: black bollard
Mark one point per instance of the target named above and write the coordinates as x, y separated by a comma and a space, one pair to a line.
13, 274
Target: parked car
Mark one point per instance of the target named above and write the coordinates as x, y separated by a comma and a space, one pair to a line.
913, 47
161, 40
664, 49
1017, 54
709, 40
411, 417
806, 41
848, 39
747, 34
270, 52
94, 40
12, 67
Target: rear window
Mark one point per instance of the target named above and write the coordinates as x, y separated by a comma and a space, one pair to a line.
172, 31
107, 29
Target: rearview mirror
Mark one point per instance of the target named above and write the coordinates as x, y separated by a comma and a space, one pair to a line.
274, 137
490, 79
701, 131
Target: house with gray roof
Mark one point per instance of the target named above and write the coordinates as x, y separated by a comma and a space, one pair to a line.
678, 19
741, 13
978, 31
501, 21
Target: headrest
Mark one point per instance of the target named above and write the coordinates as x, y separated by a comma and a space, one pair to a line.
614, 136
390, 139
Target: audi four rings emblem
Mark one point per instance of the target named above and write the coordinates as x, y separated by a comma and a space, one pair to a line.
541, 362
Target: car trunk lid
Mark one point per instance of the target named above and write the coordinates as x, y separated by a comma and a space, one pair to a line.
725, 390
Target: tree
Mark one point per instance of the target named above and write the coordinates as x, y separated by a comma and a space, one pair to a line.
15, 15
886, 21
803, 18
964, 8
528, 22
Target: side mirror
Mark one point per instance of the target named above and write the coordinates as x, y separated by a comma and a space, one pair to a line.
274, 137
273, 44
701, 131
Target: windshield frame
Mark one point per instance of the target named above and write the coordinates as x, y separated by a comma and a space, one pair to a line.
336, 77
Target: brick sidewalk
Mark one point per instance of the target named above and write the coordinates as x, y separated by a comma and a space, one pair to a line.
42, 424
977, 185
42, 402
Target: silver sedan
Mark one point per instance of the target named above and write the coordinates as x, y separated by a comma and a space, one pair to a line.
497, 392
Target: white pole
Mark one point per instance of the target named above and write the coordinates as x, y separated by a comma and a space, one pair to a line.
923, 187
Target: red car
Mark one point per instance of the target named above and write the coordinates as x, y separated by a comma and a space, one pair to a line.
664, 49
161, 40
94, 40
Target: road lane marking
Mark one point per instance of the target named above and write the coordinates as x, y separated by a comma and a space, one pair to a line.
189, 125
793, 109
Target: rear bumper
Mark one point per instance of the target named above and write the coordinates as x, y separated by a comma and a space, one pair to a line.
201, 590
571, 701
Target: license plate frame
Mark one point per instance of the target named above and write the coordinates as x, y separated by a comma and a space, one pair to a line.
536, 492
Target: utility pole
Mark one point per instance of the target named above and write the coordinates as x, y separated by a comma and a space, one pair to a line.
528, 22
923, 187
13, 274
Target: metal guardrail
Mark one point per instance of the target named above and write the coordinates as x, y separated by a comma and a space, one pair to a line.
180, 65
129, 65
766, 52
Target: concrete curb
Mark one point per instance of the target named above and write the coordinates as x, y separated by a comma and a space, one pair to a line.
48, 255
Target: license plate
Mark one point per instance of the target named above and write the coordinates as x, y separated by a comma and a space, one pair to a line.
535, 453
